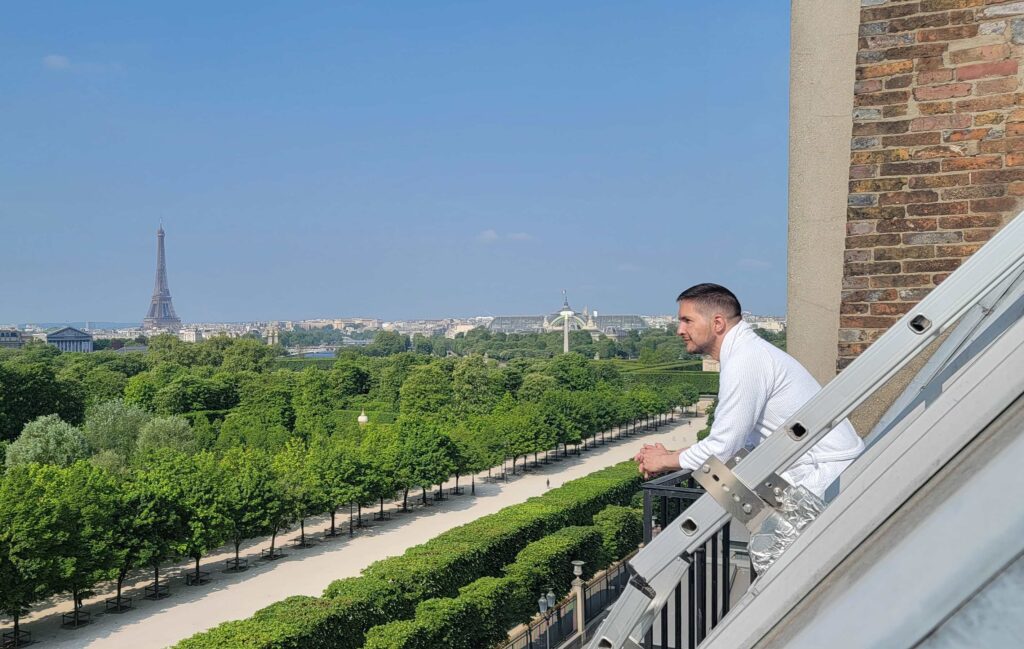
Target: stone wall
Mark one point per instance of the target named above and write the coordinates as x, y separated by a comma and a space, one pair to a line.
937, 151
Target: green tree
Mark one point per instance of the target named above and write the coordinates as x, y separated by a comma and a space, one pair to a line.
206, 520
313, 401
299, 489
102, 384
474, 390
426, 392
30, 389
428, 455
385, 468
247, 354
572, 372
338, 470
265, 417
387, 343
166, 432
163, 520
478, 448
48, 440
535, 385
114, 426
30, 545
393, 372
251, 501
86, 498
349, 379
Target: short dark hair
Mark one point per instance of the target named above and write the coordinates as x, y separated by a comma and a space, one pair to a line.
712, 298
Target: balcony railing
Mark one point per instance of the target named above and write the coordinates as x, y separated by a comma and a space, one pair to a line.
714, 576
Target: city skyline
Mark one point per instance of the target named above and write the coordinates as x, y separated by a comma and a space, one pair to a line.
454, 160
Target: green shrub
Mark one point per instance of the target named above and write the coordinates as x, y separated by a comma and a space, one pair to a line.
299, 364
621, 528
485, 610
705, 382
390, 589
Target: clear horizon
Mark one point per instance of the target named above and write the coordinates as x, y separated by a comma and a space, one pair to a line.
411, 161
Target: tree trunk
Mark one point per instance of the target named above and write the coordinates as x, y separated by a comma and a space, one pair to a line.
121, 574
350, 531
302, 532
382, 507
424, 495
456, 482
472, 488
197, 569
334, 511
359, 514
238, 543
405, 500
156, 579
273, 539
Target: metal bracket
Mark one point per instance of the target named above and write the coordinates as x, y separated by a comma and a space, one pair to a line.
728, 491
735, 459
770, 489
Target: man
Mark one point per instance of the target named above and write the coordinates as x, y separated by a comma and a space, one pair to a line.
760, 387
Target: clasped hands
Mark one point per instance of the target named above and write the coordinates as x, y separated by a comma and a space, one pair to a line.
654, 459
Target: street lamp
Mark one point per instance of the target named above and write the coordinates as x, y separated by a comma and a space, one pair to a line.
546, 604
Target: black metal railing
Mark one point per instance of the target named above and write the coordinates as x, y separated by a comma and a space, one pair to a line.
549, 631
708, 581
602, 592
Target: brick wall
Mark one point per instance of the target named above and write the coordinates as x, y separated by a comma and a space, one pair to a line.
937, 152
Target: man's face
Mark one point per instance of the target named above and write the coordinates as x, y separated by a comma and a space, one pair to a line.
694, 329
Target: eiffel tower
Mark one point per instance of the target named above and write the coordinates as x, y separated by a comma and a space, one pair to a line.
161, 314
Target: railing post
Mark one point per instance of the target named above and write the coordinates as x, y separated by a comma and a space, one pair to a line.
581, 604
647, 516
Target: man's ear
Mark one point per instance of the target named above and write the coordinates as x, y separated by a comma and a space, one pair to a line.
719, 323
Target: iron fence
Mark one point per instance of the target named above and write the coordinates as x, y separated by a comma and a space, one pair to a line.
706, 591
602, 592
548, 631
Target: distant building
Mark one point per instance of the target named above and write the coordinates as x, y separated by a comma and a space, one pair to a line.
70, 339
710, 365
612, 326
10, 339
190, 335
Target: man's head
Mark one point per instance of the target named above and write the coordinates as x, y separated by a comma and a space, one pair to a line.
706, 313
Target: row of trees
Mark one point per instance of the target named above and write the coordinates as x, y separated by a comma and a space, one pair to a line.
178, 452
653, 345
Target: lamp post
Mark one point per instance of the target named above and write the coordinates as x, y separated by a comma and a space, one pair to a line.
546, 604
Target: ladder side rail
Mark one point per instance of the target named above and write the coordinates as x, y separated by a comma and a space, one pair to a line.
1001, 257
974, 324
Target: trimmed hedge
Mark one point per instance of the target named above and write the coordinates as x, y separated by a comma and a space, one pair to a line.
705, 382
621, 528
485, 610
391, 589
299, 364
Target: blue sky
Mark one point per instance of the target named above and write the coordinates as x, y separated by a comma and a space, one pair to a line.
395, 159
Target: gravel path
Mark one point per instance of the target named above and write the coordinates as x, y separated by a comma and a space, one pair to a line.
231, 596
